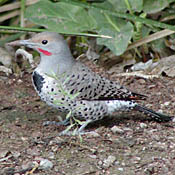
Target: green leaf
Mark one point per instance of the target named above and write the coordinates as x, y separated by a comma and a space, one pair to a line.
154, 6
104, 20
120, 40
158, 45
136, 5
120, 31
60, 17
119, 8
99, 18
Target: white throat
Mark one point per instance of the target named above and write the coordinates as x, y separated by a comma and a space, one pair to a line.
57, 64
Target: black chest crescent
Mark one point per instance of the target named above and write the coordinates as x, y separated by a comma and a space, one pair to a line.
38, 81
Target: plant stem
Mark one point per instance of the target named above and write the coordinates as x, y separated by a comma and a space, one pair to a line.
15, 5
23, 2
22, 23
150, 38
17, 29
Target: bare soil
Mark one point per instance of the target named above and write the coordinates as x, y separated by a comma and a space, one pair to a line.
139, 146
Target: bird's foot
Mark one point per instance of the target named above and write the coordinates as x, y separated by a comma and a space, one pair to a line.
62, 123
76, 132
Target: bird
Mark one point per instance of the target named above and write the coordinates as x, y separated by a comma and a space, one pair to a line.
68, 85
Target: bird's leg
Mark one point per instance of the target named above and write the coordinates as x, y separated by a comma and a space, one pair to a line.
64, 122
80, 131
83, 126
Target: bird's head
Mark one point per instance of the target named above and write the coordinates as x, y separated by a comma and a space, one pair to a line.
46, 43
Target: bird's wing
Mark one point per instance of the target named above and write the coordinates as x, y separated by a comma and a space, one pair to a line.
91, 86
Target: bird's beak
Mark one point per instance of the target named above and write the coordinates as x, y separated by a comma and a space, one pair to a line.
26, 43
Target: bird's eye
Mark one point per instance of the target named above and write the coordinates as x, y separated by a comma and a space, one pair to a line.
44, 42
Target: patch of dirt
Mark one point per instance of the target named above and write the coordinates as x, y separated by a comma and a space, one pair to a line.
137, 146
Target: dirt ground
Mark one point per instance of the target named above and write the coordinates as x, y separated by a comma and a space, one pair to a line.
127, 144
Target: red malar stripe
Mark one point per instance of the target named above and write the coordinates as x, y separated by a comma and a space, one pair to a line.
45, 52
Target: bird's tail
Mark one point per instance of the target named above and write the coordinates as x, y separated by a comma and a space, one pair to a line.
154, 115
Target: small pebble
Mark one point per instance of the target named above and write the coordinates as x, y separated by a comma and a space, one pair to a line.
92, 134
173, 119
143, 125
100, 163
144, 148
167, 103
120, 169
136, 159
116, 129
109, 161
151, 86
27, 165
51, 155
127, 129
45, 164
19, 81
93, 156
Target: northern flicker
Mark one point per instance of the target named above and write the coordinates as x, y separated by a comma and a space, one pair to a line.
97, 96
